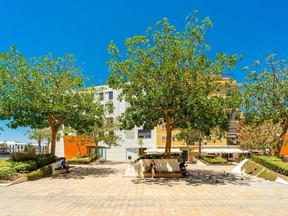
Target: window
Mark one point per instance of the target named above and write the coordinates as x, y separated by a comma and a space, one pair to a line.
227, 155
163, 127
163, 138
144, 134
110, 95
101, 96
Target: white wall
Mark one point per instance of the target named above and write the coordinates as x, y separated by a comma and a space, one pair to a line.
129, 139
129, 142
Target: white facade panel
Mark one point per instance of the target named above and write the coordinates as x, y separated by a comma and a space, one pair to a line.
129, 144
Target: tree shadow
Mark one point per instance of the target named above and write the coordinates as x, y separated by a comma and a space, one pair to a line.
82, 172
199, 177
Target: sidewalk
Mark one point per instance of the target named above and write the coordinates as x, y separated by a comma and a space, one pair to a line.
101, 190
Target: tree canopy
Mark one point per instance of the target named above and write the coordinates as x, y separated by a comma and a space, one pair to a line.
263, 136
167, 78
266, 95
45, 92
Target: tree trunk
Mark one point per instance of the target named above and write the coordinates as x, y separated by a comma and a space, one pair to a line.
53, 140
96, 148
55, 124
199, 150
39, 146
168, 138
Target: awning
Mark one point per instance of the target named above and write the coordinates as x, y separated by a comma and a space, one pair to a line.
162, 150
222, 150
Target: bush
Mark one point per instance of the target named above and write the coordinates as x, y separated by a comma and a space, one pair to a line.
46, 170
7, 173
35, 175
45, 159
216, 160
22, 156
83, 160
40, 173
26, 166
6, 163
273, 163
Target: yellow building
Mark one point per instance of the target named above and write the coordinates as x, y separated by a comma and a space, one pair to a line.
230, 138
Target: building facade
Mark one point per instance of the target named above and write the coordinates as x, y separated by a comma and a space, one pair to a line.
128, 147
13, 146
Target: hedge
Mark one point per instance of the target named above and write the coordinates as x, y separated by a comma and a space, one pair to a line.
83, 160
7, 173
216, 160
22, 156
45, 171
273, 163
45, 159
26, 166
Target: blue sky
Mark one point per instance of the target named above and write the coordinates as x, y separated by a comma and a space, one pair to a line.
254, 28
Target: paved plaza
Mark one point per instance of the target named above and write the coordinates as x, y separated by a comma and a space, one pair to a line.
101, 190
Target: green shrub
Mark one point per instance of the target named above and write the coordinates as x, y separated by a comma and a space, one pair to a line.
273, 163
40, 173
22, 156
46, 170
216, 160
45, 159
26, 166
83, 160
7, 173
35, 175
6, 163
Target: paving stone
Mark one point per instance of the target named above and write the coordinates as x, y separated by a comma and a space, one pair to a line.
101, 190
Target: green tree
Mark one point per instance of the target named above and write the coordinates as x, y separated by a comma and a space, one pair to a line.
266, 95
167, 78
105, 132
45, 92
30, 148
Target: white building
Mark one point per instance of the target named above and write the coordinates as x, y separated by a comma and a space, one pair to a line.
129, 144
129, 147
13, 146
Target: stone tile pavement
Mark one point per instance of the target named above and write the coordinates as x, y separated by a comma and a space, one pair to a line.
101, 190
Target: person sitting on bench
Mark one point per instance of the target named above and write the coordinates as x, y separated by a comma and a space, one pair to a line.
182, 166
65, 165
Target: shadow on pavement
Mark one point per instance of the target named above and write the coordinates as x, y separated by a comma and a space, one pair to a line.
199, 177
82, 172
